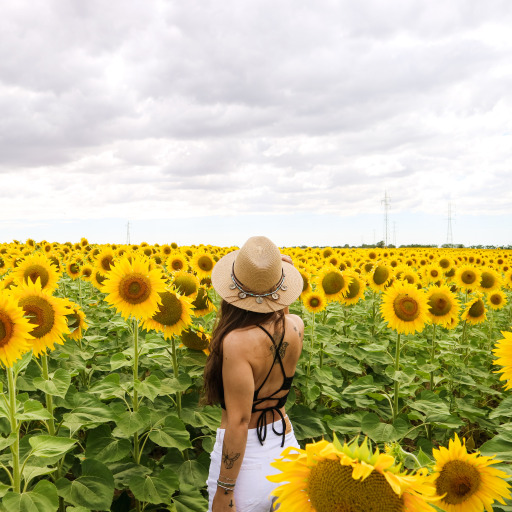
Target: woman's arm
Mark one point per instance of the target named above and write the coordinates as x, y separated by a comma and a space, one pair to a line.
238, 380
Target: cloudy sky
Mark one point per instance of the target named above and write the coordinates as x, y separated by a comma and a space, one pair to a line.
212, 121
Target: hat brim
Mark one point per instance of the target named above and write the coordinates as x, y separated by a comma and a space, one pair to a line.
221, 281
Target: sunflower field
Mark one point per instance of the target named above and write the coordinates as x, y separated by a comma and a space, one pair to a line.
401, 400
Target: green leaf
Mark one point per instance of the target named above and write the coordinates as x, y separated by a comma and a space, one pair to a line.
108, 387
149, 387
504, 409
5, 442
349, 364
347, 423
30, 472
33, 411
172, 435
101, 445
124, 471
500, 445
119, 360
192, 474
87, 416
190, 502
155, 489
361, 386
130, 422
4, 488
383, 432
42, 498
94, 489
306, 423
171, 386
50, 446
57, 385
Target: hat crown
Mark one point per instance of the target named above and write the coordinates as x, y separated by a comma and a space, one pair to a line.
258, 265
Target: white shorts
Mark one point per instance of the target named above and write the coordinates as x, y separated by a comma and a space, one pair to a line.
252, 491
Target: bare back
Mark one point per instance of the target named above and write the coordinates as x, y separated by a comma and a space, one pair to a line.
260, 352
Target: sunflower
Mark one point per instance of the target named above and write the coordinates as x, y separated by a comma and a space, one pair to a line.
133, 289
97, 279
405, 308
76, 320
15, 337
467, 277
503, 352
202, 264
172, 316
497, 299
332, 283
86, 272
465, 482
380, 277
104, 260
406, 273
73, 268
186, 283
443, 306
508, 279
46, 314
355, 290
196, 339
490, 280
176, 262
36, 266
202, 303
8, 282
314, 302
329, 477
306, 277
432, 274
475, 311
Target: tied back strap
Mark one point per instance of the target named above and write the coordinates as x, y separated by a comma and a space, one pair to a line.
261, 426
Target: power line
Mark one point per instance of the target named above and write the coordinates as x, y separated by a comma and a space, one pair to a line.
128, 233
386, 202
449, 234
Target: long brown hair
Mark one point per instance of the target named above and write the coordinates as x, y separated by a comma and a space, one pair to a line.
229, 318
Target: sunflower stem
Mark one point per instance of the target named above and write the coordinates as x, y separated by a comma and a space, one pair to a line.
135, 397
396, 383
432, 356
80, 292
48, 397
321, 342
175, 370
15, 447
373, 312
308, 373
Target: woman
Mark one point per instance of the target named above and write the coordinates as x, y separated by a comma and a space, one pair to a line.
255, 347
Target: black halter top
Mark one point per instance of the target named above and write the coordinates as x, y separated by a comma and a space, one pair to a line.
261, 425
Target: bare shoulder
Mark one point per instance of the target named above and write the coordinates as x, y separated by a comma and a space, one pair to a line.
235, 344
296, 321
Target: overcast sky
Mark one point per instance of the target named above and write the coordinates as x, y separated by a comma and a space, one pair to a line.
211, 121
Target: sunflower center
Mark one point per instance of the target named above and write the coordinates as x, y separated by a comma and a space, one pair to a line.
100, 278
185, 284
459, 480
205, 263
440, 304
487, 280
434, 273
40, 313
314, 302
6, 329
177, 264
444, 263
468, 277
406, 308
169, 312
74, 269
353, 288
194, 340
477, 309
73, 321
106, 262
135, 288
333, 283
496, 299
32, 272
381, 275
331, 488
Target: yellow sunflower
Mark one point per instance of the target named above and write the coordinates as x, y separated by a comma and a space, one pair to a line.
202, 264
330, 477
46, 314
405, 308
172, 316
380, 277
15, 337
35, 266
406, 273
86, 272
97, 279
176, 261
496, 299
490, 280
503, 352
432, 273
465, 482
202, 303
443, 306
73, 269
133, 288
306, 277
104, 260
314, 302
467, 277
475, 311
196, 339
76, 320
186, 283
331, 282
355, 290
508, 278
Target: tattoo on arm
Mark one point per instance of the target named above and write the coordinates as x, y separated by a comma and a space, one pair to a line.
231, 504
229, 459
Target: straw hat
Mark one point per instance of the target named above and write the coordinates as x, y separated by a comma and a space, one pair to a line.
256, 279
